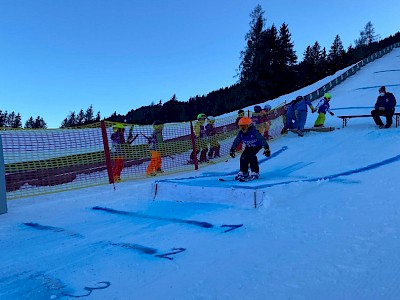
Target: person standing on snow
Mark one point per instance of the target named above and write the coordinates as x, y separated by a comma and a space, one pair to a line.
289, 119
200, 139
156, 149
300, 110
266, 121
257, 119
323, 108
211, 133
118, 148
384, 106
253, 141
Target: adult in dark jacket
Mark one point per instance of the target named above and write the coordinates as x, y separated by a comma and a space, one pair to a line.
253, 141
384, 106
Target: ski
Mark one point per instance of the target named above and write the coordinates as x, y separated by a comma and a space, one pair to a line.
247, 179
240, 180
224, 179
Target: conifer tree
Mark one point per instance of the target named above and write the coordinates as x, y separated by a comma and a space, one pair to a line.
246, 67
89, 115
29, 123
17, 122
39, 123
286, 60
336, 56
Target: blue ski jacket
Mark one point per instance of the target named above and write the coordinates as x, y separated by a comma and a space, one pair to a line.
323, 106
302, 105
251, 138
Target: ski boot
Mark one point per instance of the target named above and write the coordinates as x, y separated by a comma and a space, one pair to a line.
241, 176
254, 175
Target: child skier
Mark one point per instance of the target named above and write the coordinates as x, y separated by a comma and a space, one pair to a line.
211, 132
323, 108
253, 141
156, 149
200, 139
118, 149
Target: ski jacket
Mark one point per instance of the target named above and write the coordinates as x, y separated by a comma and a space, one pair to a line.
251, 138
210, 130
155, 140
388, 101
302, 105
323, 106
199, 130
117, 139
257, 118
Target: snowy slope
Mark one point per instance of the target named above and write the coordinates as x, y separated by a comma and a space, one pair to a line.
329, 227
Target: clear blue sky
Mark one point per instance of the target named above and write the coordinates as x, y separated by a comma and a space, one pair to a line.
59, 56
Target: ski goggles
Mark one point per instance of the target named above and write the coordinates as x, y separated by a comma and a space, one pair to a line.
243, 127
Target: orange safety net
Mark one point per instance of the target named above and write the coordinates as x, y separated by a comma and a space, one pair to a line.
41, 161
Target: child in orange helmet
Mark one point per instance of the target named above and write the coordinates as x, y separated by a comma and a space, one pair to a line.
253, 141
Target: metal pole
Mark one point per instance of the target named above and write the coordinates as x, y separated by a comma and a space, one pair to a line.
3, 195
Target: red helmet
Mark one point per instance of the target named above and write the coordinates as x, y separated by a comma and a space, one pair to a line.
245, 121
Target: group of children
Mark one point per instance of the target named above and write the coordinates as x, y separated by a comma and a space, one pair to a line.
119, 144
205, 134
253, 133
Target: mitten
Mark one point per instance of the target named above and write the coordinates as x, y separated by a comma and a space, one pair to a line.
267, 152
232, 153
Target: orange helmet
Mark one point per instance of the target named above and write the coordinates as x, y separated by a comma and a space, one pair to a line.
245, 121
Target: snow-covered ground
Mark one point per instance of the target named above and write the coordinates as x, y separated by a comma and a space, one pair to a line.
329, 226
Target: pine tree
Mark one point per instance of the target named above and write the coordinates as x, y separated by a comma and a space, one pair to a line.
89, 115
64, 123
71, 120
266, 61
246, 67
336, 56
80, 118
40, 123
17, 122
3, 117
367, 36
98, 118
10, 119
29, 123
286, 60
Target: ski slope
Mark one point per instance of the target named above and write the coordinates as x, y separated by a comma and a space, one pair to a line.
328, 225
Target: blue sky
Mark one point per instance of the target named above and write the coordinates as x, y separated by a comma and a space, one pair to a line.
62, 56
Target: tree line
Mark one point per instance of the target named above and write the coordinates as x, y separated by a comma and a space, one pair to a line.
269, 68
12, 120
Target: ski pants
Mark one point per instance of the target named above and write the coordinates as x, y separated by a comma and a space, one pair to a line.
377, 113
155, 162
301, 118
290, 120
320, 120
249, 156
117, 168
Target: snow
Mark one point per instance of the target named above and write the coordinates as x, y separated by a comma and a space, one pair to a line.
327, 225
